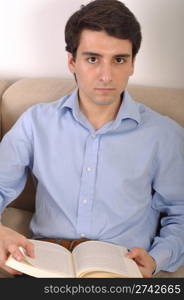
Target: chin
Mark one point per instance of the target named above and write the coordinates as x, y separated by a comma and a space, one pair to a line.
104, 102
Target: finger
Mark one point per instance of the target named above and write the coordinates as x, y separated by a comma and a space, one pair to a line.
15, 252
3, 257
29, 247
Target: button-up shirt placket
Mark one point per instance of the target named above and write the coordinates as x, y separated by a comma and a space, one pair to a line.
87, 185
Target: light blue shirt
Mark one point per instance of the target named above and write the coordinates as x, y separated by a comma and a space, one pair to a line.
111, 184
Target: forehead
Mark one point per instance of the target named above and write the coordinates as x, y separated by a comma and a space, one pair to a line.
102, 43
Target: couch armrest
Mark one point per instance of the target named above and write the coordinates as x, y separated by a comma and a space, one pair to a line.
177, 274
18, 220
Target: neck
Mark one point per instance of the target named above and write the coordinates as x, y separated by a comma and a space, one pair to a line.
99, 115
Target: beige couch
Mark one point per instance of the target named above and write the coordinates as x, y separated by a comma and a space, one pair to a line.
17, 96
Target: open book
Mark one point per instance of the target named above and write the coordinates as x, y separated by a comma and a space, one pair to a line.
90, 259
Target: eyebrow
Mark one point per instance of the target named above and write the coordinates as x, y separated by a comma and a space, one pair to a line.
99, 55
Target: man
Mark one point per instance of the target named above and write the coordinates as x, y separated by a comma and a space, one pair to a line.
108, 168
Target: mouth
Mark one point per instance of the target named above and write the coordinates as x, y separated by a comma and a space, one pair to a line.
105, 89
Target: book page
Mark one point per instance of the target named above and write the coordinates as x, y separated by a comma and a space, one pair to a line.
102, 259
51, 260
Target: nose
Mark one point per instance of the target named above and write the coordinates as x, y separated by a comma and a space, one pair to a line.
105, 73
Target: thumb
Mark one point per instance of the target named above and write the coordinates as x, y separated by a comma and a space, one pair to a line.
132, 253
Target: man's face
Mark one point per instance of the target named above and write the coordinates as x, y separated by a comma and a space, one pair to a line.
102, 67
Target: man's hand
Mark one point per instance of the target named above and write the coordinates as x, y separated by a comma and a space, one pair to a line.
10, 241
145, 262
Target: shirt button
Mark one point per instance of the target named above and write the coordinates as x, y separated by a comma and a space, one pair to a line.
82, 235
85, 201
89, 169
93, 136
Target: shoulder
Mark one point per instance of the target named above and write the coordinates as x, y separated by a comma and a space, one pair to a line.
47, 107
163, 126
44, 111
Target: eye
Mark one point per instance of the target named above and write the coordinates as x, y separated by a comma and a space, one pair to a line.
120, 60
92, 60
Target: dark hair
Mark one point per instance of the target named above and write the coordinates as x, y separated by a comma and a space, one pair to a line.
111, 16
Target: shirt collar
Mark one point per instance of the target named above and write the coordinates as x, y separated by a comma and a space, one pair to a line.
69, 100
129, 108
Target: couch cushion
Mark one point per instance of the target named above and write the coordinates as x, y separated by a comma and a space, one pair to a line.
167, 101
26, 92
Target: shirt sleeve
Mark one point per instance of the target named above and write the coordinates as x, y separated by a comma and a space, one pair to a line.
15, 159
168, 198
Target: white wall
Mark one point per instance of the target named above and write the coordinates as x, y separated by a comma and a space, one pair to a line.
32, 39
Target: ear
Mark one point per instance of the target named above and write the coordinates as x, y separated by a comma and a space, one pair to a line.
71, 62
133, 65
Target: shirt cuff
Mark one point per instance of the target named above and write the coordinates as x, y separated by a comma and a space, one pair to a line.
162, 256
